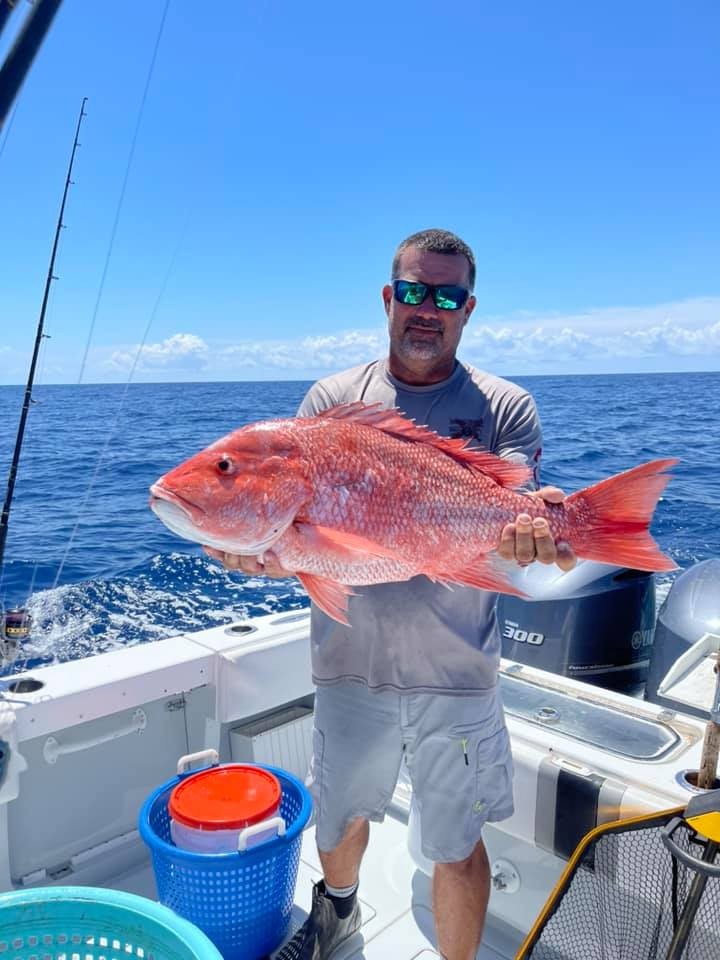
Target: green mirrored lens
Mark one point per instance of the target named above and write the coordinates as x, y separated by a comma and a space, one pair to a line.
445, 303
413, 293
447, 296
450, 297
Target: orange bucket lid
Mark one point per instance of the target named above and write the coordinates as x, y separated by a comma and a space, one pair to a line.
225, 798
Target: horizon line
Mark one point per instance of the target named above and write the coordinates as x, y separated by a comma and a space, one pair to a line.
504, 376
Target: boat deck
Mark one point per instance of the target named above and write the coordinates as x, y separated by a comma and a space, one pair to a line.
394, 894
250, 700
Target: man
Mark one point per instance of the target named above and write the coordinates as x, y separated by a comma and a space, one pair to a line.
414, 680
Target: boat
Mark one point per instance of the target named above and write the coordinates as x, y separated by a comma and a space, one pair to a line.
89, 740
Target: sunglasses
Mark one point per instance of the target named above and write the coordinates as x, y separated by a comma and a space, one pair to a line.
446, 296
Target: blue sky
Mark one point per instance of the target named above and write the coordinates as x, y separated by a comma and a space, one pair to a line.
286, 148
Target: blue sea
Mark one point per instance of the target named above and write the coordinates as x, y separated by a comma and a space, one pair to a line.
98, 570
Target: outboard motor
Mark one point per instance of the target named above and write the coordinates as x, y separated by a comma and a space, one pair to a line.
594, 623
691, 609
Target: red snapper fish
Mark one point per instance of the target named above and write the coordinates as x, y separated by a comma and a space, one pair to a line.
359, 494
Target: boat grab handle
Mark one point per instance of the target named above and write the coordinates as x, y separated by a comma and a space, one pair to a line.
54, 749
184, 762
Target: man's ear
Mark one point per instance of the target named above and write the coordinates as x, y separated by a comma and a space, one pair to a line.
387, 295
469, 307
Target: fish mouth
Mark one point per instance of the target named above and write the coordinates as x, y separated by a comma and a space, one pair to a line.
186, 519
160, 493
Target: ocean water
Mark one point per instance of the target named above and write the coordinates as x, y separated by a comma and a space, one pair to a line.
98, 570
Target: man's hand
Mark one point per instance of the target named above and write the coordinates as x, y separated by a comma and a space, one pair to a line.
267, 565
527, 539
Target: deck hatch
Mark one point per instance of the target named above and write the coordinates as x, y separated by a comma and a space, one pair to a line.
624, 734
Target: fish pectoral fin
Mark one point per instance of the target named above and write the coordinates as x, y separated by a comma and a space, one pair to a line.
350, 546
482, 572
329, 595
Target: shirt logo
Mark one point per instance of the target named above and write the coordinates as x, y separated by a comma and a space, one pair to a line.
466, 429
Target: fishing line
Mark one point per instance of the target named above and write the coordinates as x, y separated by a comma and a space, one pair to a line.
123, 189
113, 426
101, 289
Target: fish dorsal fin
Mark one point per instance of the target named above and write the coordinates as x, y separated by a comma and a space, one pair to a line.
504, 472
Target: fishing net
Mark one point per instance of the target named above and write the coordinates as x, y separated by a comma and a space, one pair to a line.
622, 896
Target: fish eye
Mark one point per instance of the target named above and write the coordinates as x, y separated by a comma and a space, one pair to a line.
225, 465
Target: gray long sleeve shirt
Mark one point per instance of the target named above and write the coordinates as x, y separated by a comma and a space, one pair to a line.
417, 636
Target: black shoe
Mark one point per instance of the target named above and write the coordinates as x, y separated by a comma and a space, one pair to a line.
323, 931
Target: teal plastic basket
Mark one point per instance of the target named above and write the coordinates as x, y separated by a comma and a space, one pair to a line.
94, 924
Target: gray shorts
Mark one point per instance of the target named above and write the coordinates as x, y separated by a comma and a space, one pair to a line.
457, 753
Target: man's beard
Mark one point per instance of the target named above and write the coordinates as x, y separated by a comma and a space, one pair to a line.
421, 348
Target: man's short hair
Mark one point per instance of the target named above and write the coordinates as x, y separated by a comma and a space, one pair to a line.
435, 241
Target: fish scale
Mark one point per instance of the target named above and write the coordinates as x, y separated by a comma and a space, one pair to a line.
454, 504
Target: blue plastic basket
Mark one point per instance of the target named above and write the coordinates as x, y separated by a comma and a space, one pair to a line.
94, 923
242, 901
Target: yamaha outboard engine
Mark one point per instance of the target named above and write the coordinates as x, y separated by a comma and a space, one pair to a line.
691, 609
594, 623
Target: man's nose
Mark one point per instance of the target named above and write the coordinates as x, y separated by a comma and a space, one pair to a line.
427, 308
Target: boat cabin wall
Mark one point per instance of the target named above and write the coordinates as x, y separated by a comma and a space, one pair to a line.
85, 784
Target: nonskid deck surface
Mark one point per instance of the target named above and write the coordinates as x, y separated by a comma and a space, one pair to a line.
394, 896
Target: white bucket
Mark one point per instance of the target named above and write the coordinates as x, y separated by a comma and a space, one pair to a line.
225, 841
224, 808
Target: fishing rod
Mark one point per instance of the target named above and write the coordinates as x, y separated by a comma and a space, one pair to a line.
22, 53
6, 9
16, 623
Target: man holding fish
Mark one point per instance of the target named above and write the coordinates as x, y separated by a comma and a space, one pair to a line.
414, 621
377, 517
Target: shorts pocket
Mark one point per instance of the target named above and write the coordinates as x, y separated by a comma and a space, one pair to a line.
477, 718
493, 799
460, 781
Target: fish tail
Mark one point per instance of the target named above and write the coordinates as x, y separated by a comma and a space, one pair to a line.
614, 516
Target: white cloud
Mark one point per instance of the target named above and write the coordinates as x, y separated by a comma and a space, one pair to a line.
182, 351
663, 333
310, 353
678, 340
674, 336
